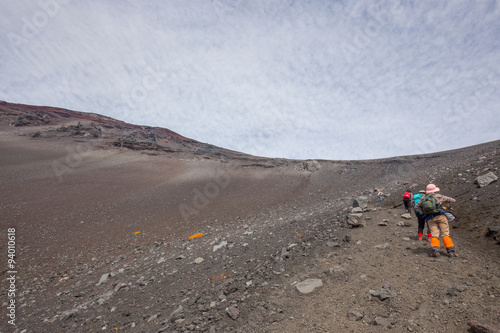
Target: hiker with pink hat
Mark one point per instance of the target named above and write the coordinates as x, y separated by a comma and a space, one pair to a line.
431, 207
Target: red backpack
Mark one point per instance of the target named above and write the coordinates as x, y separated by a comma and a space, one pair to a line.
407, 195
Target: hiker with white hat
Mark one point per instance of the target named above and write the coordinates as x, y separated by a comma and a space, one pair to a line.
431, 206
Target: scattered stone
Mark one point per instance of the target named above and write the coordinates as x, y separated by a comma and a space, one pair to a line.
308, 286
406, 216
382, 246
406, 238
357, 210
309, 165
219, 246
337, 269
119, 286
103, 278
493, 232
162, 259
354, 316
383, 224
161, 330
455, 291
199, 260
105, 297
382, 293
233, 312
68, 314
486, 179
153, 317
176, 314
332, 244
180, 257
353, 222
380, 321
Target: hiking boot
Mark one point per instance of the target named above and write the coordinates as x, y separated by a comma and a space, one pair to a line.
435, 254
452, 255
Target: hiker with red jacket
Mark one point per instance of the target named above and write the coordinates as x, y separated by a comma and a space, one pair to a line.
407, 200
431, 207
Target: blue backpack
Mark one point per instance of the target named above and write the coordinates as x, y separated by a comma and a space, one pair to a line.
417, 197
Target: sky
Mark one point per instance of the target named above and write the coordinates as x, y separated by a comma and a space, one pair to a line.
302, 79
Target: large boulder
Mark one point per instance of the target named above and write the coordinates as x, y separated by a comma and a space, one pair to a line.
353, 222
494, 232
361, 202
486, 179
492, 326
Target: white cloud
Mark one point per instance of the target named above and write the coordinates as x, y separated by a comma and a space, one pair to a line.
316, 79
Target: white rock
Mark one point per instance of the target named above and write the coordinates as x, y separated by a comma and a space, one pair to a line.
486, 179
199, 260
103, 278
357, 210
220, 245
308, 286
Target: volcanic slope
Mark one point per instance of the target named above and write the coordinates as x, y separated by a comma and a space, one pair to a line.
104, 211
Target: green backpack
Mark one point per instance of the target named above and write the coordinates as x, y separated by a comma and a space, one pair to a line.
430, 205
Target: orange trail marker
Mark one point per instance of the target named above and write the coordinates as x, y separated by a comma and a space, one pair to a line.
136, 233
198, 235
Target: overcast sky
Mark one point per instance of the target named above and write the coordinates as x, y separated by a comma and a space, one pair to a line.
277, 78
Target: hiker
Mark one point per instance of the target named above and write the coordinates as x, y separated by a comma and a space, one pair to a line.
379, 194
431, 207
420, 217
407, 200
